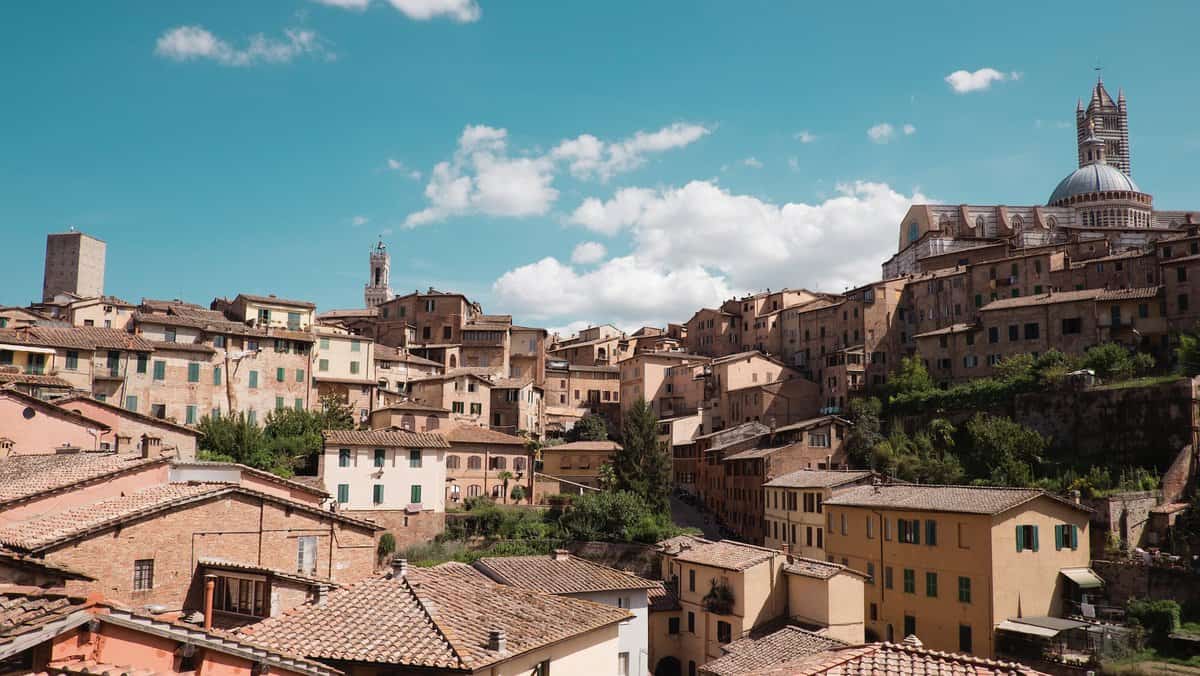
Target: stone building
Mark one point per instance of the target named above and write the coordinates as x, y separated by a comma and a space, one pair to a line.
793, 515
378, 290
478, 460
74, 265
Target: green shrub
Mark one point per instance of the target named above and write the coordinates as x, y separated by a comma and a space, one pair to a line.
1158, 618
386, 547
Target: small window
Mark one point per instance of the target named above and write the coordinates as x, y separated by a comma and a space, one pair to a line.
143, 575
344, 457
414, 458
964, 638
910, 581
931, 584
672, 625
160, 369
306, 551
964, 589
343, 493
414, 494
724, 632
691, 580
1027, 538
380, 457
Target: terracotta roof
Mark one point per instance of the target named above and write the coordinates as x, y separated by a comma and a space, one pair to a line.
430, 619
17, 560
745, 430
479, 372
511, 383
815, 568
297, 482
680, 542
33, 379
345, 381
27, 476
566, 575
275, 301
393, 438
53, 529
726, 554
1042, 299
80, 337
584, 446
413, 406
226, 564
485, 326
934, 498
884, 659
387, 353
660, 599
749, 656
1143, 293
817, 478
947, 330
752, 452
352, 312
199, 348
28, 610
471, 434
812, 422
122, 412
51, 408
593, 369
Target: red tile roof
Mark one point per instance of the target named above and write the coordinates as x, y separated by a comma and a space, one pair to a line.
748, 656
887, 659
584, 446
559, 574
934, 498
28, 476
471, 434
76, 337
389, 438
726, 554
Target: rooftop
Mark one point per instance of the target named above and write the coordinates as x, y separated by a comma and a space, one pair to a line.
726, 554
559, 574
430, 619
28, 476
603, 446
413, 406
935, 498
1042, 299
817, 478
752, 655
123, 412
815, 568
275, 300
388, 437
80, 337
471, 434
890, 658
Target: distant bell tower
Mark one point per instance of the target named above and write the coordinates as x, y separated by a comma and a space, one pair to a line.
377, 290
1109, 121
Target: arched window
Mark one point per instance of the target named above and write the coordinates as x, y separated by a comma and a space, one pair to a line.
474, 462
452, 462
408, 422
518, 464
496, 491
1017, 223
499, 463
979, 223
1051, 222
453, 361
432, 422
455, 492
473, 491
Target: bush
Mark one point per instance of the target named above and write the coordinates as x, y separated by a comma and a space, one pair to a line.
1158, 618
615, 516
386, 547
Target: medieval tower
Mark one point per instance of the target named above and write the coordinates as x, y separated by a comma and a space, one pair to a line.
1109, 121
378, 290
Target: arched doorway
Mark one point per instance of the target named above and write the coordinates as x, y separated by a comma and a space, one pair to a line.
453, 361
668, 666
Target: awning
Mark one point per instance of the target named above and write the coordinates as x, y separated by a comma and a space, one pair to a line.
26, 348
1027, 629
1084, 577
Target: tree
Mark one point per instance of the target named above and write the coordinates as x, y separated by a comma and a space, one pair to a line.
607, 478
518, 493
1003, 450
1115, 362
590, 427
1188, 354
641, 466
911, 377
505, 477
386, 547
865, 435
335, 413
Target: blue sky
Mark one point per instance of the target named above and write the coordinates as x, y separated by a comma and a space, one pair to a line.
693, 149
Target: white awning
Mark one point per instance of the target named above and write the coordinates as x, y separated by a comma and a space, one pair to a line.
26, 348
1028, 629
1084, 577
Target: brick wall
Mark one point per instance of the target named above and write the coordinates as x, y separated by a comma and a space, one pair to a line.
408, 529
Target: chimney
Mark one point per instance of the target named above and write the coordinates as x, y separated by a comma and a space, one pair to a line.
399, 567
787, 552
66, 449
560, 555
1076, 497
145, 447
497, 641
210, 584
322, 594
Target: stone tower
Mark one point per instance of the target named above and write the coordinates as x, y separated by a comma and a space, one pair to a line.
1109, 121
377, 290
74, 264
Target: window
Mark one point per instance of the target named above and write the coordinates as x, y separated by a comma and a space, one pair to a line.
1014, 332
160, 369
844, 529
909, 531
216, 375
476, 409
299, 375
414, 494
344, 457
354, 367
870, 573
870, 528
1066, 536
672, 625
910, 581
343, 493
299, 404
457, 407
931, 585
910, 626
240, 595
1027, 538
131, 403
253, 379
993, 334
143, 574
1032, 331
622, 664
1181, 274
887, 577
963, 541
474, 462
931, 533
377, 494
306, 552
1072, 325
218, 341
691, 622
1183, 302
264, 316
414, 458
380, 457
964, 589
190, 415
72, 360
964, 638
169, 335
691, 580
691, 668
252, 416
322, 365
279, 403
724, 632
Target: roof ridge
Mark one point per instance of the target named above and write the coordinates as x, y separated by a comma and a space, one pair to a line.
441, 632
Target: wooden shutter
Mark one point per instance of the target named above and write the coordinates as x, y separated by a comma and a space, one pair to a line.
1020, 539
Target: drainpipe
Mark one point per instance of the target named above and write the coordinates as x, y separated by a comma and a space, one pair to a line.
210, 584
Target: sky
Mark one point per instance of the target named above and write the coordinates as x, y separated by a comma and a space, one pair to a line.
565, 162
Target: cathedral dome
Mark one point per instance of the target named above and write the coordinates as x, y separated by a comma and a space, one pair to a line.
1092, 178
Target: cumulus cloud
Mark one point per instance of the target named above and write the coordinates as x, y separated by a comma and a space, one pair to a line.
794, 163
586, 253
965, 81
753, 163
909, 130
359, 221
881, 133
483, 177
804, 136
462, 11
398, 166
356, 5
590, 157
699, 244
191, 43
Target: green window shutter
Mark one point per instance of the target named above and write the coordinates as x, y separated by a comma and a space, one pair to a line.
299, 375
916, 531
1034, 547
378, 494
252, 416
931, 533
323, 365
160, 370
1020, 539
415, 494
1058, 537
931, 585
299, 404
1074, 537
324, 343
131, 403
216, 375
343, 493
254, 379
194, 372
191, 415
278, 403
280, 374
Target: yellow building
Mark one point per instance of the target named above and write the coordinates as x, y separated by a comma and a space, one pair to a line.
579, 461
793, 516
949, 564
725, 590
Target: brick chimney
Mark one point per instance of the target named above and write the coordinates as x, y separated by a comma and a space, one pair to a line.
497, 642
399, 567
560, 555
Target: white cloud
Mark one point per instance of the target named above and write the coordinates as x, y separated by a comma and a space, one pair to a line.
699, 244
909, 130
359, 221
356, 5
964, 81
804, 136
482, 177
589, 156
462, 11
189, 43
881, 133
396, 165
753, 163
794, 163
586, 253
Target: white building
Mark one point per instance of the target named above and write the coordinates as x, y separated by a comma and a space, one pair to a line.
385, 471
565, 575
